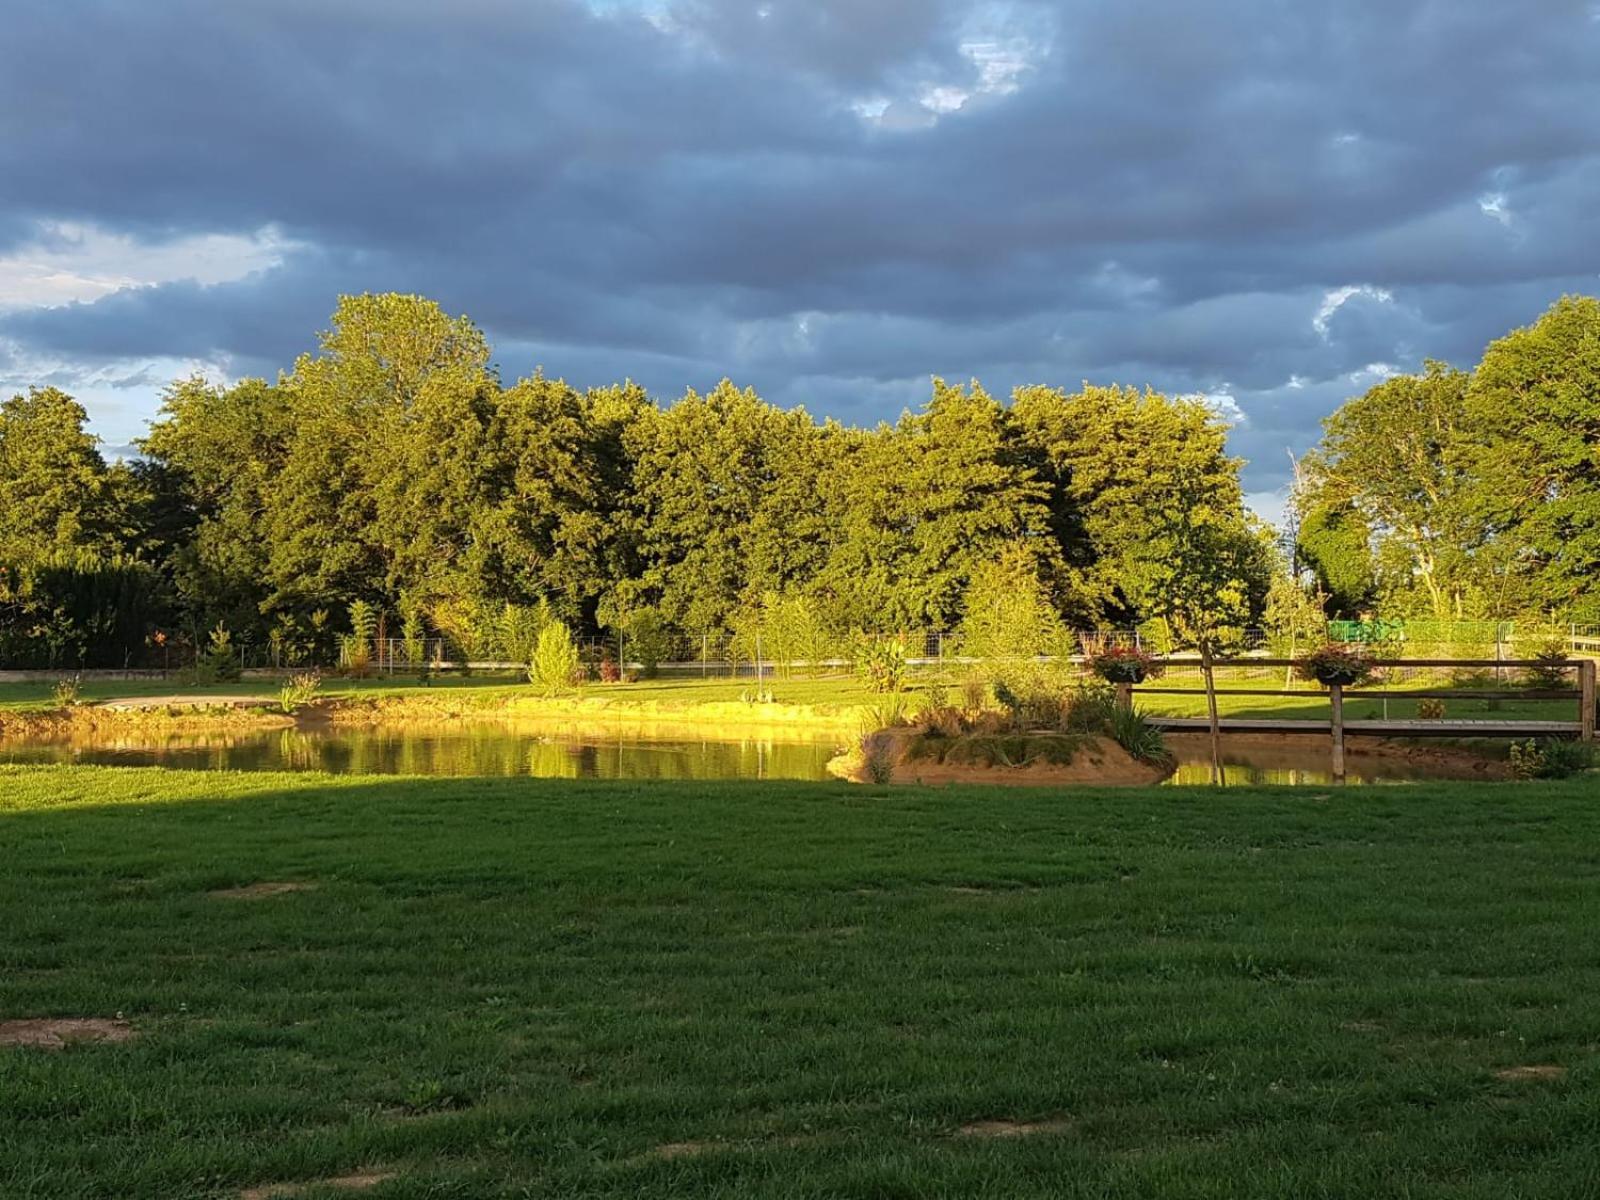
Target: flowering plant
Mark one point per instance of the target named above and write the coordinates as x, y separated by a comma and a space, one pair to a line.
1344, 665
1124, 664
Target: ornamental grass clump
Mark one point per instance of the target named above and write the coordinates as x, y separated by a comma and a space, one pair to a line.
1125, 664
1336, 664
301, 688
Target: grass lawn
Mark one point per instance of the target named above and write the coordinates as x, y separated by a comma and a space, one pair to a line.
512, 988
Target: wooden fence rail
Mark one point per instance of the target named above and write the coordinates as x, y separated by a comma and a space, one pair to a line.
1337, 726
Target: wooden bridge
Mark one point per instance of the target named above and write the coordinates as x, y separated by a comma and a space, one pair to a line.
1337, 727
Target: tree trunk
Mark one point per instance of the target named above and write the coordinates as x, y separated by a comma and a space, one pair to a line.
1217, 777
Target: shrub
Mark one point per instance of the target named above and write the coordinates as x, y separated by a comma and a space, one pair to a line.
609, 671
649, 640
555, 662
1554, 669
219, 663
1142, 740
413, 643
1430, 709
518, 627
1010, 701
1124, 664
1344, 665
975, 693
881, 661
877, 757
301, 688
1089, 708
1552, 758
893, 710
67, 691
357, 645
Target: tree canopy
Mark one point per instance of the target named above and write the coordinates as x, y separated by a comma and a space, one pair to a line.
394, 469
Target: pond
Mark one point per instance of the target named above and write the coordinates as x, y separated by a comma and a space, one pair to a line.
496, 750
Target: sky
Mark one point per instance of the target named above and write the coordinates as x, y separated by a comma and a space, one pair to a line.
1270, 203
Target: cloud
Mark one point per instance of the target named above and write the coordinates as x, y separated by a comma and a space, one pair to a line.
830, 199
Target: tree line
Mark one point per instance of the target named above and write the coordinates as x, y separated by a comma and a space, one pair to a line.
392, 480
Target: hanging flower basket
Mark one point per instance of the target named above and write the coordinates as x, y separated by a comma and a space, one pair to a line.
1333, 664
1124, 664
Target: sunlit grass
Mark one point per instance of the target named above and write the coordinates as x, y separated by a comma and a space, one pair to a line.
513, 988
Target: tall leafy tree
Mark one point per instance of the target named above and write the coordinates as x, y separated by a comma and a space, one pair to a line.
1103, 453
703, 470
1534, 402
922, 503
375, 484
56, 494
1398, 456
1335, 543
218, 452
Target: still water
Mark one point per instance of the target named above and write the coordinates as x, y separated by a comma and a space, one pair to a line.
486, 750
492, 750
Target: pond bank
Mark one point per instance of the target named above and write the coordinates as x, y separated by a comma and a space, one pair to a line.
1041, 760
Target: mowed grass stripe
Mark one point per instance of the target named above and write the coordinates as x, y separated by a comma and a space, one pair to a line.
508, 988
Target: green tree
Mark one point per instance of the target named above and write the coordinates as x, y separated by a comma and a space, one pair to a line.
379, 483
1398, 456
1335, 544
1102, 453
920, 505
56, 496
1534, 404
1007, 612
220, 453
555, 659
1200, 568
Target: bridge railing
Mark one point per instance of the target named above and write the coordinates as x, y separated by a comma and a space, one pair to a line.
1584, 671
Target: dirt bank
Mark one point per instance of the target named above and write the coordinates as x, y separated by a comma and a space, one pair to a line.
1095, 762
593, 713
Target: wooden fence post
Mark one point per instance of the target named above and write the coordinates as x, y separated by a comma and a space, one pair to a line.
1586, 671
1336, 698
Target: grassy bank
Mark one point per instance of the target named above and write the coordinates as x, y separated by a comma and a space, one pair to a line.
509, 989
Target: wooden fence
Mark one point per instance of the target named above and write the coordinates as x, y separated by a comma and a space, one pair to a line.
1583, 695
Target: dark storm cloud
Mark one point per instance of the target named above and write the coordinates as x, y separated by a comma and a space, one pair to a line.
831, 199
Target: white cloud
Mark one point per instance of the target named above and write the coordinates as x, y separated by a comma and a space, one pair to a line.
1225, 406
1374, 371
1271, 507
70, 262
1493, 206
1333, 301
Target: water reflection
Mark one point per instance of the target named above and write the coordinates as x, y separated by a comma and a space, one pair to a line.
497, 750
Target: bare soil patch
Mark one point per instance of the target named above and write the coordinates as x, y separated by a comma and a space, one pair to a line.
357, 1182
53, 1033
1014, 1129
671, 1150
260, 891
1543, 1073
